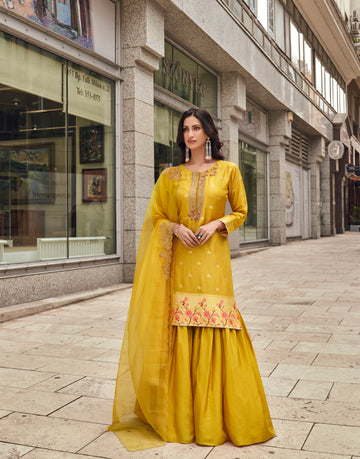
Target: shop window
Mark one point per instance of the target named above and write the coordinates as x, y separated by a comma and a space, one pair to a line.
167, 153
186, 78
254, 172
57, 196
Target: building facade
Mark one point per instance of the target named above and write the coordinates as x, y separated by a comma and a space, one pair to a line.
91, 94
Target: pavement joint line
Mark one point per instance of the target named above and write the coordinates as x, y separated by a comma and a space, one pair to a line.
17, 311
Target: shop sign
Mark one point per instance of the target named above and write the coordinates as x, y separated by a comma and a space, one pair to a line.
336, 149
186, 78
89, 96
174, 70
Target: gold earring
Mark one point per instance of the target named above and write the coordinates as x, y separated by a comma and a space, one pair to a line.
187, 155
208, 153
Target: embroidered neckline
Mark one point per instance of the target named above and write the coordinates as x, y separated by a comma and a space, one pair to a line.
196, 191
205, 171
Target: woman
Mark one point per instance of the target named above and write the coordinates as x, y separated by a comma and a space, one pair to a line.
187, 368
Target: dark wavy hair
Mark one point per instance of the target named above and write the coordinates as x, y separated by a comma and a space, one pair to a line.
210, 130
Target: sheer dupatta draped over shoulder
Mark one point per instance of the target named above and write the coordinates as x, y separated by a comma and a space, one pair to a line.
142, 380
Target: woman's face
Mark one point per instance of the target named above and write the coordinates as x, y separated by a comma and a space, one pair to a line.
194, 134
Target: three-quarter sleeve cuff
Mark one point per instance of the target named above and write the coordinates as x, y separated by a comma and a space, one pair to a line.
224, 232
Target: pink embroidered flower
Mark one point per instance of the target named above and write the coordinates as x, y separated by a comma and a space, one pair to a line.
207, 314
224, 315
188, 312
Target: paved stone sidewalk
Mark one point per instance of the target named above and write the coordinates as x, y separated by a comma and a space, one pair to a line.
301, 303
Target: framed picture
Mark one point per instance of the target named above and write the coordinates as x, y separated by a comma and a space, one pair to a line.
94, 185
92, 144
29, 170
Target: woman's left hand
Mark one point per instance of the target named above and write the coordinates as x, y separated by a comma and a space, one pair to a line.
206, 231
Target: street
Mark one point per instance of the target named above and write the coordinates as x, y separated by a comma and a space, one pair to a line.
301, 304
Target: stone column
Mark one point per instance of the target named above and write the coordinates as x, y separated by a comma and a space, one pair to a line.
317, 153
279, 134
233, 104
325, 197
142, 38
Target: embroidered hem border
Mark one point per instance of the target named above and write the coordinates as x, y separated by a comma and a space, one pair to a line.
201, 310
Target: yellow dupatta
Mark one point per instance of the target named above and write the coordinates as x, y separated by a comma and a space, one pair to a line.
142, 380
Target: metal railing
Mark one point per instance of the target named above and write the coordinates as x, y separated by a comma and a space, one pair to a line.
246, 19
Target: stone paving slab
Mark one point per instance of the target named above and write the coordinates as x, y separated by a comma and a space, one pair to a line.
58, 366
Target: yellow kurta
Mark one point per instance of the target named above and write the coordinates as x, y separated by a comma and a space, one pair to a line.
202, 288
187, 366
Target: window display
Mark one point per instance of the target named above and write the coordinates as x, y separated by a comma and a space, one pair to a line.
56, 132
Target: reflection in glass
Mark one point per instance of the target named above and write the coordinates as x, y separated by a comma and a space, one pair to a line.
262, 13
167, 153
43, 151
280, 26
253, 169
318, 72
91, 200
294, 38
307, 60
186, 78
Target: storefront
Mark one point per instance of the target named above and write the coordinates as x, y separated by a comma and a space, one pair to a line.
181, 82
58, 193
253, 163
56, 157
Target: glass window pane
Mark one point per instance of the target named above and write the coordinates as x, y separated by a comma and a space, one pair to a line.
33, 189
57, 186
279, 25
91, 163
271, 17
236, 8
333, 91
207, 94
294, 37
167, 153
253, 169
301, 52
308, 61
318, 79
162, 76
327, 86
262, 13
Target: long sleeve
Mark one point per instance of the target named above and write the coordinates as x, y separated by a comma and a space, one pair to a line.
238, 203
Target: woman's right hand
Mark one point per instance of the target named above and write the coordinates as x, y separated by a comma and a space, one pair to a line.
186, 236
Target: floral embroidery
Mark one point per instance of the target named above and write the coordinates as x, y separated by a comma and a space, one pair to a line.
196, 192
166, 236
174, 173
204, 311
